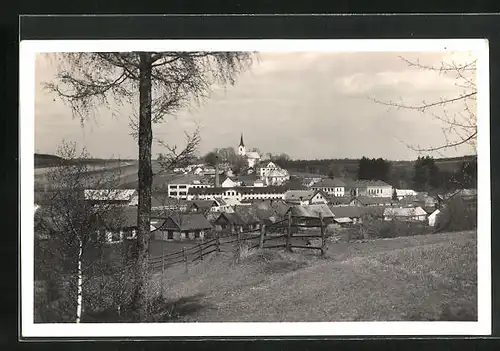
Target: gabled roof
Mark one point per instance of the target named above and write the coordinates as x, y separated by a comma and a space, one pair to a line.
311, 211
374, 200
231, 218
163, 200
341, 200
220, 201
404, 212
248, 214
186, 222
329, 183
299, 195
203, 204
377, 211
188, 179
365, 183
109, 194
252, 154
346, 211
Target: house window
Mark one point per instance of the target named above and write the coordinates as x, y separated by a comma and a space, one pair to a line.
174, 193
182, 186
170, 234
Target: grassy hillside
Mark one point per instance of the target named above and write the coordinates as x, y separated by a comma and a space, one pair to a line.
430, 277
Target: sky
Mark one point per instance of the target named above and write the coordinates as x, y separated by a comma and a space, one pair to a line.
310, 105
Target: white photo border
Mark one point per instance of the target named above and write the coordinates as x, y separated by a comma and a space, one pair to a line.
28, 50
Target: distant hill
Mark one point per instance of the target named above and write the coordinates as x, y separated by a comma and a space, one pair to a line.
46, 160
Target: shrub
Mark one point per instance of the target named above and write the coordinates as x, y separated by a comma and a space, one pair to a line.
456, 216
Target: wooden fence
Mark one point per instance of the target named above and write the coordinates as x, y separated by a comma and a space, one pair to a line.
261, 236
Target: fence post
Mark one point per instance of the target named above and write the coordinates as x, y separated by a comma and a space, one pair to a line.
239, 240
322, 228
185, 259
217, 243
201, 250
162, 265
289, 233
262, 235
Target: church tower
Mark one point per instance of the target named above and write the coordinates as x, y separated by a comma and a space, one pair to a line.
241, 147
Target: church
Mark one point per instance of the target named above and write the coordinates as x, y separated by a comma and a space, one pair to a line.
252, 157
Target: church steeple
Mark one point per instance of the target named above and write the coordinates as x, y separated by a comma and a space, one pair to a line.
241, 147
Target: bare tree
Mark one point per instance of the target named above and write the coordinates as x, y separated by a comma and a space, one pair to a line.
70, 227
457, 113
165, 83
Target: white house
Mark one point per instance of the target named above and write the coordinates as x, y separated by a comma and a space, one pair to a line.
252, 158
334, 187
272, 174
405, 214
305, 197
401, 193
368, 188
228, 183
433, 217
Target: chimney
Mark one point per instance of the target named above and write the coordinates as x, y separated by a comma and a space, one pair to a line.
217, 185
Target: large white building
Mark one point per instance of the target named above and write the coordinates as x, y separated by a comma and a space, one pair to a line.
272, 174
334, 187
179, 188
238, 193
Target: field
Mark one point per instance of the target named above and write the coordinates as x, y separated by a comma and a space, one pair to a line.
410, 278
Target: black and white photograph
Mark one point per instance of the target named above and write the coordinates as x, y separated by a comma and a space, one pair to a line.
183, 187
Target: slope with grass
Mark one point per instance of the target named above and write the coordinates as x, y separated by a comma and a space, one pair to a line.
410, 278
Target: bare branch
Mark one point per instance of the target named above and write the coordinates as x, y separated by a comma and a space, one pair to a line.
174, 158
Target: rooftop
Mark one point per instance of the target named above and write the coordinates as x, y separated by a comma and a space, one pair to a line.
109, 194
296, 195
186, 222
311, 211
404, 212
329, 183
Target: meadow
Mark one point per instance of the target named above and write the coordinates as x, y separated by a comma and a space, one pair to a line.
425, 277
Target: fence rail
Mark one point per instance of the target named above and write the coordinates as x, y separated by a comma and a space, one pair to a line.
199, 251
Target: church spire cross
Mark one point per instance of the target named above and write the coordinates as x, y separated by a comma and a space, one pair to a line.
241, 140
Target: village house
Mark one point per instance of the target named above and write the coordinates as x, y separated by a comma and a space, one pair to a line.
334, 187
305, 197
183, 226
310, 214
376, 188
161, 201
432, 219
401, 193
307, 179
414, 214
243, 218
272, 174
372, 201
346, 214
202, 206
340, 200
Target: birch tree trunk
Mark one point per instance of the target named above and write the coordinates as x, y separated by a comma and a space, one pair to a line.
145, 176
79, 293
